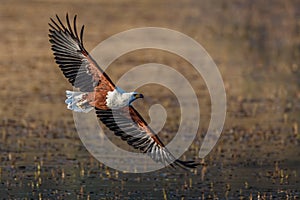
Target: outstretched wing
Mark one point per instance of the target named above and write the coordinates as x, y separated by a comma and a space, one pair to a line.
74, 61
131, 127
84, 73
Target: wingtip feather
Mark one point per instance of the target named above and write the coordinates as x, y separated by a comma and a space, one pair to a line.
187, 164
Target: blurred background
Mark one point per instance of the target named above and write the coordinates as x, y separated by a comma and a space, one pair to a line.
256, 45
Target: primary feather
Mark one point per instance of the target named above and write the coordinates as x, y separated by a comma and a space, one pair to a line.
97, 90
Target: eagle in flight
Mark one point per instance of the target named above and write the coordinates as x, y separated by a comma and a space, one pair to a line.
96, 90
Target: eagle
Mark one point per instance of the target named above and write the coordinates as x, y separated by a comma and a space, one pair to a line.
113, 105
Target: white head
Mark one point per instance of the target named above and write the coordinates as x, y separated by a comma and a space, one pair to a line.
116, 99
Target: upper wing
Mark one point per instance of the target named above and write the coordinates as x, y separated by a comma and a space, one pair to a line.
84, 73
131, 127
75, 62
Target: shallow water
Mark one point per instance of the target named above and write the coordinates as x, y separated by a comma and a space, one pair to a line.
39, 162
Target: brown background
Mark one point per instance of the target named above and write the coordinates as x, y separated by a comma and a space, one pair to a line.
256, 45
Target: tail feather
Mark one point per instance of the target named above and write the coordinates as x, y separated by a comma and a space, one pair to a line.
77, 102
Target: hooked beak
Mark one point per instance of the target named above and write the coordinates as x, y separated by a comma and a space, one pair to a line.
138, 96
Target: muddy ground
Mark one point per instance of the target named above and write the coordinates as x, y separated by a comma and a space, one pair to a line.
256, 46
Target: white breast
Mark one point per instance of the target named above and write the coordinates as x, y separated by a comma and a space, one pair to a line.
116, 99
